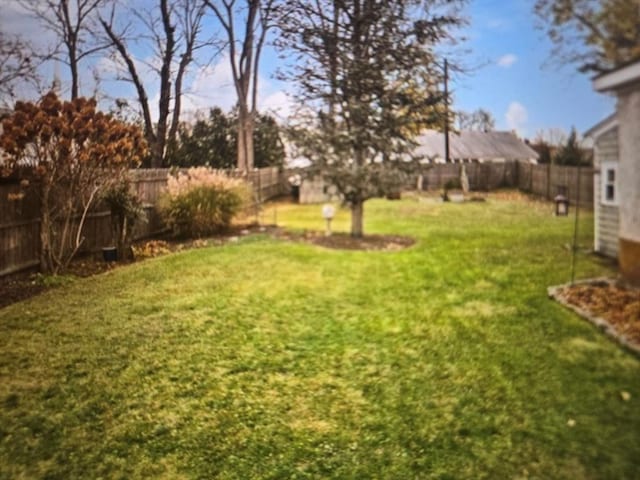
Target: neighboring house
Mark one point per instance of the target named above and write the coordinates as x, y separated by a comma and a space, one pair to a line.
606, 196
618, 182
472, 146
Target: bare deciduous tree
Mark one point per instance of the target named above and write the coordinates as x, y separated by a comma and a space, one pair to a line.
17, 65
244, 50
480, 120
72, 22
174, 30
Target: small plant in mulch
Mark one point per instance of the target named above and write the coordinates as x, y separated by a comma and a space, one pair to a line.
126, 211
150, 249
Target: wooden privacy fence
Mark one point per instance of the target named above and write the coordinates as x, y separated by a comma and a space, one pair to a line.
541, 180
20, 215
482, 176
550, 180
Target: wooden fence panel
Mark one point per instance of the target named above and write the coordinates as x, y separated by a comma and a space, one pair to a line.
482, 176
20, 212
149, 184
19, 227
550, 180
19, 245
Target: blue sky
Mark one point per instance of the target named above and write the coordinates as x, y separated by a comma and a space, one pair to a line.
510, 74
524, 91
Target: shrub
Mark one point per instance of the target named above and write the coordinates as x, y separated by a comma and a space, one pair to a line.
453, 184
202, 201
126, 211
75, 151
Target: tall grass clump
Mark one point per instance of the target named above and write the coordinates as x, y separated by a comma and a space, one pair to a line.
202, 201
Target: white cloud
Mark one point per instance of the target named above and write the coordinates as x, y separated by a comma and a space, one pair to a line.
507, 60
517, 117
15, 20
212, 85
110, 66
278, 104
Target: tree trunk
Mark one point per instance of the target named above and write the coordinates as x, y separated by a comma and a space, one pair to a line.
156, 148
241, 163
73, 66
357, 214
125, 252
46, 265
45, 244
249, 142
245, 141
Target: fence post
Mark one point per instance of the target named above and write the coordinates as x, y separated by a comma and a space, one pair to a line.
548, 181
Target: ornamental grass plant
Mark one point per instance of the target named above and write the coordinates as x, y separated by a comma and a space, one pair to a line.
202, 201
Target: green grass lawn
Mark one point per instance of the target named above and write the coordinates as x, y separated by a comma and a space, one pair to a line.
265, 359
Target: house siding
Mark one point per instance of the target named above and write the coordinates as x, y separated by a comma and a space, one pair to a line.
607, 216
607, 147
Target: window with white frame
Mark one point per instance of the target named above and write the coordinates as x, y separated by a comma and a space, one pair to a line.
609, 179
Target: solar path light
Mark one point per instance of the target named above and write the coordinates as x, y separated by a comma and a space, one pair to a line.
328, 212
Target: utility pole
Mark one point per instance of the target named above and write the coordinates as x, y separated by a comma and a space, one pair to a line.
446, 111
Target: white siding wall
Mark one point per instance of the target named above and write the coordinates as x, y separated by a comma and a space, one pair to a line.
607, 217
628, 113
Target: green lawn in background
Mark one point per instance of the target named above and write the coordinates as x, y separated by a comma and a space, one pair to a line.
266, 359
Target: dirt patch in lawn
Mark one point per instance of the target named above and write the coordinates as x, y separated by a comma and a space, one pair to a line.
18, 288
344, 241
612, 306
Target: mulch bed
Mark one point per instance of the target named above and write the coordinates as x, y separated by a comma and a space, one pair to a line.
613, 307
344, 241
19, 287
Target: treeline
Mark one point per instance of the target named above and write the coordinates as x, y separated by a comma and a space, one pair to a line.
213, 142
570, 153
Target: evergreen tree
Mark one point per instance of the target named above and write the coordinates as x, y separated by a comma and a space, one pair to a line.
213, 142
360, 65
570, 154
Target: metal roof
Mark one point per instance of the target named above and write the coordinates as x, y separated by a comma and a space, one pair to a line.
474, 145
